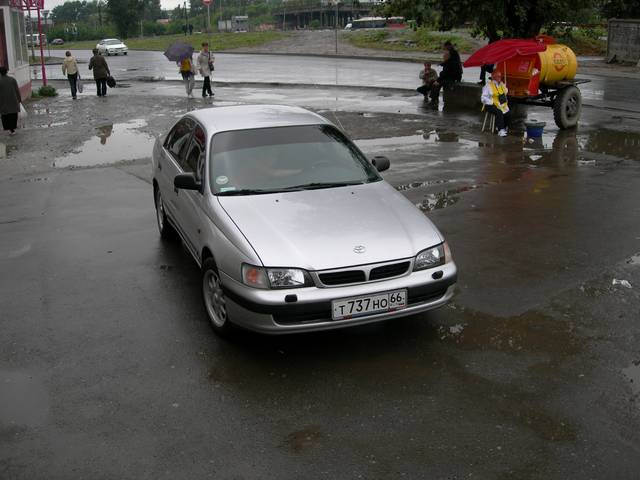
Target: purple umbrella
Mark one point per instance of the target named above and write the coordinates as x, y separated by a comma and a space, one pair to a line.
178, 51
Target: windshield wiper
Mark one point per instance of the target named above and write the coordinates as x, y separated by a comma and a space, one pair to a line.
245, 191
311, 186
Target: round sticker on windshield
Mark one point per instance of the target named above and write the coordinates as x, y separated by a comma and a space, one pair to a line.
222, 180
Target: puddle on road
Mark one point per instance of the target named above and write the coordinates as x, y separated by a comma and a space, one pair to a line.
634, 260
632, 373
112, 144
411, 141
435, 201
616, 143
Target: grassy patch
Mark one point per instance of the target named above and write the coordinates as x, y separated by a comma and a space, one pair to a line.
406, 40
43, 91
584, 45
217, 41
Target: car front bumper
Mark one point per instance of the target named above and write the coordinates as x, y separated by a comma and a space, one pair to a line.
267, 311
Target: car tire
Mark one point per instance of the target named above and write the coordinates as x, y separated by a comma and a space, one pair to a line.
214, 299
167, 232
124, 53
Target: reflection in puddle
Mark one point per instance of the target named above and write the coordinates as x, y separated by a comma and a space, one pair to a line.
112, 144
633, 374
610, 142
434, 201
431, 137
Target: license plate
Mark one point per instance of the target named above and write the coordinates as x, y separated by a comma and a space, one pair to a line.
346, 308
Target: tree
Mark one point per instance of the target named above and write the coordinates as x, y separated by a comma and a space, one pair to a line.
620, 9
125, 14
494, 20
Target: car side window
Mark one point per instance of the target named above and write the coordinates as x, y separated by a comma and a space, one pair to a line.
178, 138
194, 160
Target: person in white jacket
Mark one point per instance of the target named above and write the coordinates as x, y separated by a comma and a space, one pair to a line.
205, 62
70, 69
494, 99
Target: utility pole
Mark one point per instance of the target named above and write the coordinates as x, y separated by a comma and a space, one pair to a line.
336, 27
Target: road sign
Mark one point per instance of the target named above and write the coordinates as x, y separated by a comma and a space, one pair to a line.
206, 2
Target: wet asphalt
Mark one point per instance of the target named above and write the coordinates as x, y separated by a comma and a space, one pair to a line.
109, 369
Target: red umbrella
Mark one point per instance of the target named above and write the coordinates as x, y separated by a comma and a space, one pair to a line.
503, 50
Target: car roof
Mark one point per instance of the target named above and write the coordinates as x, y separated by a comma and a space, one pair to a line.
244, 117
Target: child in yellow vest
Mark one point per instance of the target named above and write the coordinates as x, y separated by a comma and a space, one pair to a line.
187, 72
494, 99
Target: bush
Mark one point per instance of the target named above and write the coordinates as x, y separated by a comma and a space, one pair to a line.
47, 91
314, 23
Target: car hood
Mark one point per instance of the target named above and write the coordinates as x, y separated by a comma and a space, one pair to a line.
319, 229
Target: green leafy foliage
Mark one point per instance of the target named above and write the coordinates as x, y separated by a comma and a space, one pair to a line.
47, 91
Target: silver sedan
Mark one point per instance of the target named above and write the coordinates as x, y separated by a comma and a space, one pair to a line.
293, 228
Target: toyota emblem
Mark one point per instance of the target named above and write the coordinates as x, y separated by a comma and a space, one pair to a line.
359, 249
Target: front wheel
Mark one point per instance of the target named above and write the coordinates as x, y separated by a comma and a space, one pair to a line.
167, 232
124, 53
567, 107
215, 302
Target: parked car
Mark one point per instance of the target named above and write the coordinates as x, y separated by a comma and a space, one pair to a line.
111, 46
57, 41
293, 227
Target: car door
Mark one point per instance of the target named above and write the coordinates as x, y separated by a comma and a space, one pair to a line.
170, 164
191, 200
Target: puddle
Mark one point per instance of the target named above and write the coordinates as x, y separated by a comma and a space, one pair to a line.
634, 260
611, 142
435, 201
413, 140
112, 144
632, 373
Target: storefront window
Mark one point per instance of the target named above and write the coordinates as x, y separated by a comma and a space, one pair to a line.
19, 39
3, 40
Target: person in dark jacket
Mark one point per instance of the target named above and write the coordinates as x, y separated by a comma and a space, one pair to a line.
10, 99
100, 72
454, 60
448, 76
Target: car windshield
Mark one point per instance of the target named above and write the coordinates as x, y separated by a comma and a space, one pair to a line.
268, 160
112, 42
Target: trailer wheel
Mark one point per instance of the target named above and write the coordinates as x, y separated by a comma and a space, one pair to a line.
567, 107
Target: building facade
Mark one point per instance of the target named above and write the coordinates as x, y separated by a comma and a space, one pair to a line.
13, 46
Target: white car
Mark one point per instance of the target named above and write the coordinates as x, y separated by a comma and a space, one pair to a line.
112, 46
293, 228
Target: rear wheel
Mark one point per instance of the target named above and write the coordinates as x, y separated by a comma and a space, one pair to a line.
567, 107
165, 228
215, 302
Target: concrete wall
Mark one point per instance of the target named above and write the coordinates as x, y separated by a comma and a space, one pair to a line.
623, 43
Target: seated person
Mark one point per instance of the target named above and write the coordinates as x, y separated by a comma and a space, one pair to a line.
449, 75
428, 75
494, 99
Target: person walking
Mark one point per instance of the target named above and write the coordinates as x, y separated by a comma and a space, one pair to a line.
10, 100
205, 62
100, 72
186, 70
494, 99
70, 69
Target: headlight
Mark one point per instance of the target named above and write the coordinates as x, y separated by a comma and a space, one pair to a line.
432, 257
259, 277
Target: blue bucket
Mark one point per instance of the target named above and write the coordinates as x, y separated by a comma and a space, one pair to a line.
535, 129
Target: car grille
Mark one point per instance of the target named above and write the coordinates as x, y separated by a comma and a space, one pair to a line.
344, 277
388, 271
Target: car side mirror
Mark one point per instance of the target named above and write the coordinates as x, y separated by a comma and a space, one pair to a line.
381, 163
186, 181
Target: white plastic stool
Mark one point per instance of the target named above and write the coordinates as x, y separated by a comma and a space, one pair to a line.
492, 121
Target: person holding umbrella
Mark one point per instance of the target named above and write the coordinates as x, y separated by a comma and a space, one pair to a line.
182, 54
